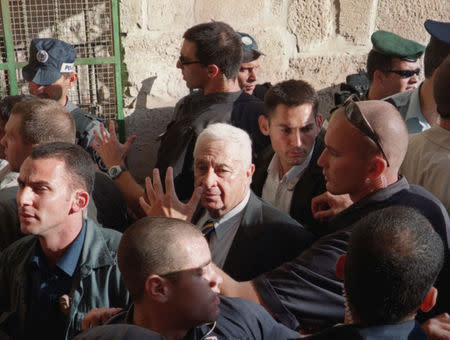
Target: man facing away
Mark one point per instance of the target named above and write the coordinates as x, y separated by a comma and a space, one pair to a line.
392, 262
67, 264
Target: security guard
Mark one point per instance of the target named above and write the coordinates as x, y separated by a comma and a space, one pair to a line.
392, 67
51, 74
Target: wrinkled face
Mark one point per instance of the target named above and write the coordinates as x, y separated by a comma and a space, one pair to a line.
57, 91
344, 160
248, 76
195, 75
16, 149
195, 296
45, 197
394, 83
224, 177
292, 132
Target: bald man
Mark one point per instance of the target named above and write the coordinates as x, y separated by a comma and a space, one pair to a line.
363, 162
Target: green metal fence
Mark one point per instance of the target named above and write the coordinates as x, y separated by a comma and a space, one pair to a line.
92, 26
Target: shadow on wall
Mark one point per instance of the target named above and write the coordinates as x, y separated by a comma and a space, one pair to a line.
147, 125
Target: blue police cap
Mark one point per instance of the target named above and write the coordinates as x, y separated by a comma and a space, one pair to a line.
250, 50
49, 58
439, 30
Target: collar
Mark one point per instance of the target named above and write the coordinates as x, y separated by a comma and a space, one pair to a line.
414, 118
68, 263
236, 212
293, 175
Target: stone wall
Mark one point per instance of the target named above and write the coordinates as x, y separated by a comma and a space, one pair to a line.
320, 41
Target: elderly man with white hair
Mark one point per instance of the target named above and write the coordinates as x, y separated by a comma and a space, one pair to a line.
247, 235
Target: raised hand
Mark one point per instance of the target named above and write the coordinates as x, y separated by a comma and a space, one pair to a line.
156, 202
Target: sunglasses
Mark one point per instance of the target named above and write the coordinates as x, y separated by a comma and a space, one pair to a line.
184, 63
357, 119
406, 73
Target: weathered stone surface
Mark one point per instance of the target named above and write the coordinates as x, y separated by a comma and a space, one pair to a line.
355, 20
406, 17
237, 13
131, 15
170, 15
311, 22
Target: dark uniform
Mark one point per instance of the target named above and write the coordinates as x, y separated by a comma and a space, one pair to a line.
49, 60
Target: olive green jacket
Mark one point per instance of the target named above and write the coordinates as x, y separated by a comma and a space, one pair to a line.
96, 281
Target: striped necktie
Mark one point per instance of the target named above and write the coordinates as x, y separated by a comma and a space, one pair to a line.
207, 228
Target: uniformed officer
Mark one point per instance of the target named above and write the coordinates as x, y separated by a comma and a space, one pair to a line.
418, 107
392, 67
51, 74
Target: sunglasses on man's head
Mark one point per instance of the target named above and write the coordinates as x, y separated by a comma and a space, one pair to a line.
406, 73
357, 119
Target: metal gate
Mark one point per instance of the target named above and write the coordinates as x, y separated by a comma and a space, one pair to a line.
92, 26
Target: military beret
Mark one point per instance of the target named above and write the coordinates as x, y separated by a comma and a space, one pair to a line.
439, 30
48, 59
391, 44
249, 48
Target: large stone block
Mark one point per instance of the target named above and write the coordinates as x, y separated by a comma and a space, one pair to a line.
236, 13
406, 17
312, 22
169, 15
355, 20
325, 71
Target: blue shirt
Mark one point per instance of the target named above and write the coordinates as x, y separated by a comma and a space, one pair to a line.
45, 318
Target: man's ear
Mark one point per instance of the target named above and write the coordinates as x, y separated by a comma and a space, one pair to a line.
72, 79
80, 201
376, 167
340, 266
430, 300
379, 76
157, 288
319, 120
263, 123
213, 71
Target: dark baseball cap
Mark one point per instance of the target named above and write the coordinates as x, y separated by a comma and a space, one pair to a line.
49, 59
439, 30
250, 50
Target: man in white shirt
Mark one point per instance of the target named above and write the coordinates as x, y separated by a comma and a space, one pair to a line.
427, 160
287, 174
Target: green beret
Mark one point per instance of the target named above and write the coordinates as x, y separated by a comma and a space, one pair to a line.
394, 45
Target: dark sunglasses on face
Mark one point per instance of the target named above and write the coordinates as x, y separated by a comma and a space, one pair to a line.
184, 62
406, 73
357, 119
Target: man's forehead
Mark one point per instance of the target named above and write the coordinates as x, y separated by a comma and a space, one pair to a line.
302, 113
217, 151
401, 64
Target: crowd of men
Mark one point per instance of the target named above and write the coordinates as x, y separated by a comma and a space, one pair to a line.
259, 221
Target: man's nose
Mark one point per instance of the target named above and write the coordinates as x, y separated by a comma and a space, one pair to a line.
296, 138
209, 178
24, 196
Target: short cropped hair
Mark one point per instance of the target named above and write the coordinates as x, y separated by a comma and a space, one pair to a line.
393, 258
377, 61
8, 102
232, 136
151, 246
217, 43
290, 93
441, 86
44, 121
435, 53
78, 163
